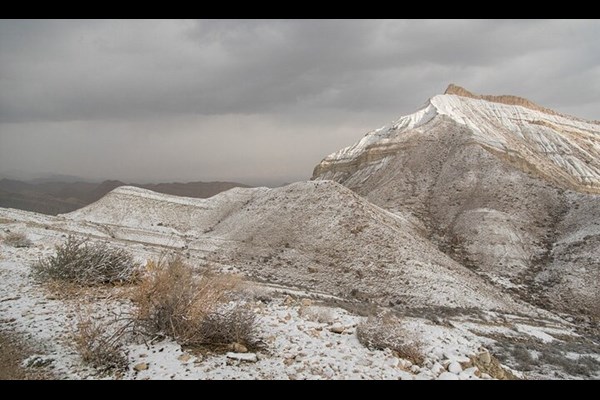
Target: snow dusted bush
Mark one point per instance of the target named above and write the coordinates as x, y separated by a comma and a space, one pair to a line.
227, 326
15, 239
80, 262
173, 301
385, 331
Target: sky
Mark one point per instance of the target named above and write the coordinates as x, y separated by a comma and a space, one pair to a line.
253, 101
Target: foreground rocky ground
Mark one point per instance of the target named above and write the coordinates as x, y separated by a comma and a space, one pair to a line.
303, 335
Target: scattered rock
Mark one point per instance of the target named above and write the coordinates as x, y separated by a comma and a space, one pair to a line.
473, 371
454, 368
37, 361
337, 328
423, 376
447, 376
141, 367
306, 302
247, 357
437, 368
184, 357
17, 297
239, 348
392, 362
364, 362
485, 357
288, 300
198, 359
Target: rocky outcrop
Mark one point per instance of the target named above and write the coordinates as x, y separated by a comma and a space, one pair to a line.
502, 99
496, 183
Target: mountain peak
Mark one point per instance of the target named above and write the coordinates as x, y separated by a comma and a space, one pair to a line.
459, 91
503, 99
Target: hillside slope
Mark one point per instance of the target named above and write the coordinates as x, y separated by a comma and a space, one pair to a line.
499, 184
316, 235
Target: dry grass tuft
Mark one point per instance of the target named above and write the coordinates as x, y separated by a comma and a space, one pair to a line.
385, 331
99, 344
171, 300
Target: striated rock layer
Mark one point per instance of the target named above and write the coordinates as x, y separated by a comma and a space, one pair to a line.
503, 186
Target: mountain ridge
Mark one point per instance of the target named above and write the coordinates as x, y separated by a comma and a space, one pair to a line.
495, 186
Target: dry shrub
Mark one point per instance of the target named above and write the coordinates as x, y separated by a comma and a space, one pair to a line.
226, 326
80, 262
171, 300
15, 239
100, 345
385, 331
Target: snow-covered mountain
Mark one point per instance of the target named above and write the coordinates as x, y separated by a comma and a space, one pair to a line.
475, 219
502, 185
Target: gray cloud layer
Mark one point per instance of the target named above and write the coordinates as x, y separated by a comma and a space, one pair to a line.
260, 101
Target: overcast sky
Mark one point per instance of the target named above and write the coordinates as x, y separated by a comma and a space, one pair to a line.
260, 102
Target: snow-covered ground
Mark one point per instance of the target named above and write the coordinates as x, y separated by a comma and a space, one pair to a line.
305, 336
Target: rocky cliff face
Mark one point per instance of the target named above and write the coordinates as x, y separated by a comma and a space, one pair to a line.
498, 183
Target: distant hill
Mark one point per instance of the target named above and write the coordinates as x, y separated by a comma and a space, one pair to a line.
57, 197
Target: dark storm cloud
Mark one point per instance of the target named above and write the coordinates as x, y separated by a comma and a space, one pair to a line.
324, 81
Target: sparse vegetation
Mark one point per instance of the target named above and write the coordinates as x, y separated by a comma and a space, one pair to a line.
385, 331
175, 302
224, 327
554, 354
15, 239
99, 345
83, 263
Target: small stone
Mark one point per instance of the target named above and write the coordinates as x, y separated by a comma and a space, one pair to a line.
423, 376
473, 371
312, 270
447, 376
306, 302
437, 368
392, 362
485, 357
141, 367
247, 357
337, 328
415, 369
37, 361
239, 348
454, 368
364, 362
184, 357
288, 301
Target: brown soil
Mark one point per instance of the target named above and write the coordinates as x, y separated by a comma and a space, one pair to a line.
13, 351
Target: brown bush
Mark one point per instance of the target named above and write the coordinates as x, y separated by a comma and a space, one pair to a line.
385, 331
15, 239
100, 345
171, 300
